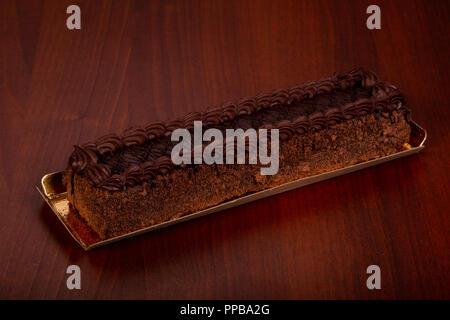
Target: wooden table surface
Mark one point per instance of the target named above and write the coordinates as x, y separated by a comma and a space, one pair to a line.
137, 61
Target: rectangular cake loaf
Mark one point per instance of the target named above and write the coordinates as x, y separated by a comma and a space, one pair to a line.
122, 183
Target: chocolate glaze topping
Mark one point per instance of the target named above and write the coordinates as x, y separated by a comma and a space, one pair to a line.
140, 154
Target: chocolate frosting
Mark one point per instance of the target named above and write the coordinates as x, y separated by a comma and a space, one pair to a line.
140, 154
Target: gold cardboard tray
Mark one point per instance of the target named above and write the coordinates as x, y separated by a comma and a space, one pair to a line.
54, 193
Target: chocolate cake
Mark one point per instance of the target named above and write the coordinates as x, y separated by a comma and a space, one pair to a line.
122, 183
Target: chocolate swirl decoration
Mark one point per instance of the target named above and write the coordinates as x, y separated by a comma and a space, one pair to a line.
228, 112
300, 124
150, 145
109, 144
98, 173
173, 125
134, 136
155, 130
317, 121
188, 120
286, 129
279, 97
149, 171
114, 183
334, 116
133, 176
83, 156
211, 117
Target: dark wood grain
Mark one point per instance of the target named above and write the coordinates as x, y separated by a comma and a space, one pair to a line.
137, 61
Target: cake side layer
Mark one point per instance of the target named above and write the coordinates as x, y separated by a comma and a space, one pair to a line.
181, 192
